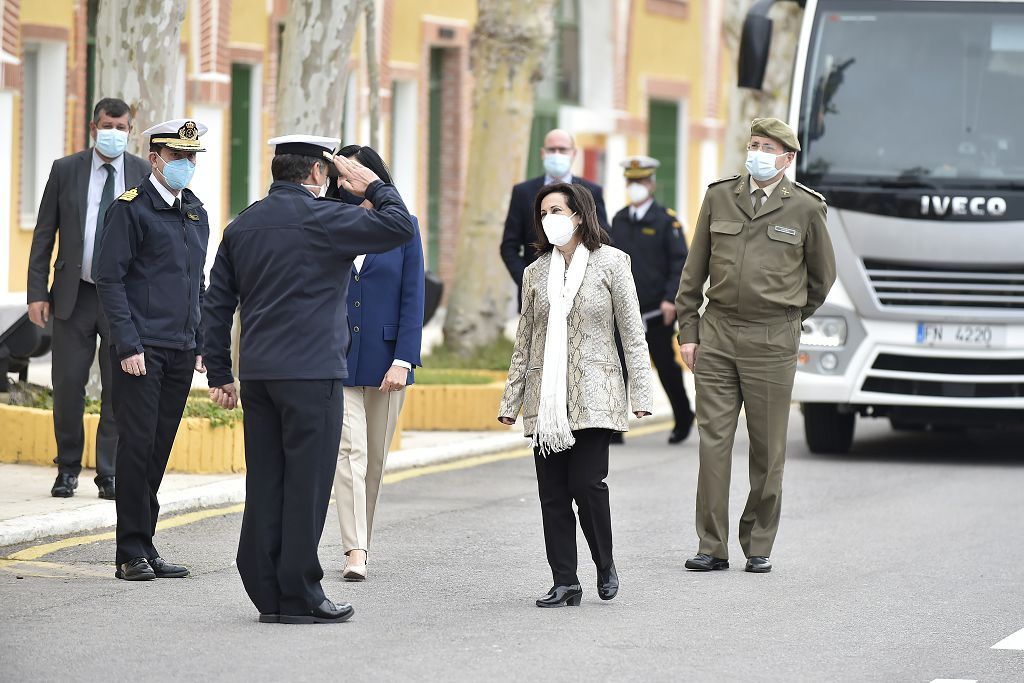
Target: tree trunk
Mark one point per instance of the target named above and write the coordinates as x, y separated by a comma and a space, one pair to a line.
508, 46
314, 65
373, 73
137, 48
773, 99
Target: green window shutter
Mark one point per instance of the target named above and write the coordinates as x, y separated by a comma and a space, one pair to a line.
663, 145
241, 99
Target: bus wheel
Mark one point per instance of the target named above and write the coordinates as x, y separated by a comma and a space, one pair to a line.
826, 429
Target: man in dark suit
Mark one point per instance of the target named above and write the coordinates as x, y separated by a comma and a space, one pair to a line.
558, 154
287, 260
76, 197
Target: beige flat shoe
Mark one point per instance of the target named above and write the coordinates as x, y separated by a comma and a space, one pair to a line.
354, 572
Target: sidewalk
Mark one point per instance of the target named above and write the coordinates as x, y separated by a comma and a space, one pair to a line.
29, 513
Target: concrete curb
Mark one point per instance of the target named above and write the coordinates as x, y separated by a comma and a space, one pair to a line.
102, 514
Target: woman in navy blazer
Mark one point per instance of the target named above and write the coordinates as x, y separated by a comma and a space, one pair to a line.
385, 313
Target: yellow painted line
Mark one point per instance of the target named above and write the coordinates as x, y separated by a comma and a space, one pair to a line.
51, 570
38, 551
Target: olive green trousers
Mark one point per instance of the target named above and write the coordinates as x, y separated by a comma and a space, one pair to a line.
752, 366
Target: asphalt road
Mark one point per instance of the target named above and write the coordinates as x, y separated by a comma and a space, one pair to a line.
900, 562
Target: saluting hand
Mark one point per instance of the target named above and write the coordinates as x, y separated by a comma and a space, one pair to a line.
353, 176
135, 365
226, 396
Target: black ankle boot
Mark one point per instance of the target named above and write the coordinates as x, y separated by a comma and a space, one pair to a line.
562, 595
607, 583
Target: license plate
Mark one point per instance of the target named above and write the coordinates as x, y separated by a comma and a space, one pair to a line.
962, 335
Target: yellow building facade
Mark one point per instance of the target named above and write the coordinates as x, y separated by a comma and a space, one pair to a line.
625, 76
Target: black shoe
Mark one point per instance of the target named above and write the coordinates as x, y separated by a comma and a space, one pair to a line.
135, 570
758, 564
608, 583
165, 570
326, 613
616, 439
65, 485
106, 487
270, 618
706, 563
562, 595
680, 432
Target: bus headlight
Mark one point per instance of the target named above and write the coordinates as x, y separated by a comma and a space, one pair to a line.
827, 331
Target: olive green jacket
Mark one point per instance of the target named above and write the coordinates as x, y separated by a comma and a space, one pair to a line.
764, 268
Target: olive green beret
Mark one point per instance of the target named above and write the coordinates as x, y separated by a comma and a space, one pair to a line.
776, 130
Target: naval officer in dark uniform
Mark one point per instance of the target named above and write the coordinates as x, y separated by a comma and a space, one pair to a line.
653, 237
149, 278
288, 259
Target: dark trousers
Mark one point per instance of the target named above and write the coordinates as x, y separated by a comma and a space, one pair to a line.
292, 433
659, 343
148, 410
576, 474
74, 347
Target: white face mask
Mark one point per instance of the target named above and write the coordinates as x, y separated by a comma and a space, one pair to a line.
761, 165
318, 190
558, 228
637, 193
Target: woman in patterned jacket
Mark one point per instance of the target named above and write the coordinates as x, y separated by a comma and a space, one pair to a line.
566, 377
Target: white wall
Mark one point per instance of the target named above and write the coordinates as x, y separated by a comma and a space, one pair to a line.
209, 180
6, 171
404, 142
597, 57
47, 144
258, 183
613, 182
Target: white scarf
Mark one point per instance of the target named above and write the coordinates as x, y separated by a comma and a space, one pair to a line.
552, 433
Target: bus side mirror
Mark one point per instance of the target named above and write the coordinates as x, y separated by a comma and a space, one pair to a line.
754, 46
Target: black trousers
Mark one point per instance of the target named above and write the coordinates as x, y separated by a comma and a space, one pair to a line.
74, 347
576, 474
292, 433
148, 410
659, 343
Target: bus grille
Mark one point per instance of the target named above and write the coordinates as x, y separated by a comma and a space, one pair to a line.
981, 287
946, 376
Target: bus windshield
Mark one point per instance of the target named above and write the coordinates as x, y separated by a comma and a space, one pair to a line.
914, 93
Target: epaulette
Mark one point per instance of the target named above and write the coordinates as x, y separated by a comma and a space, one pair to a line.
670, 212
129, 195
724, 180
807, 189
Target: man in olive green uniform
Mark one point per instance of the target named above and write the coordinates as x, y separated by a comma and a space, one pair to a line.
761, 240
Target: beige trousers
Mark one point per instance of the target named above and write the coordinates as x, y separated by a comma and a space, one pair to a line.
370, 420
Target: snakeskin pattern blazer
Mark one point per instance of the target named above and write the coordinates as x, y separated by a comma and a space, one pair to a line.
596, 391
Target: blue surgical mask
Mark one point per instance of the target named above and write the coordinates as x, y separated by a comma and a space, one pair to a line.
111, 142
557, 165
761, 165
178, 173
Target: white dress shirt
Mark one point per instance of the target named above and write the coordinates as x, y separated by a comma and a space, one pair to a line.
567, 178
637, 213
97, 179
357, 263
168, 196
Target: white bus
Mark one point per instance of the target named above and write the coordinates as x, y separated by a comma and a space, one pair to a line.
911, 118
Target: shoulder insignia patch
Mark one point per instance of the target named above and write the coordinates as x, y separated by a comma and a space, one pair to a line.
192, 216
670, 212
808, 190
723, 180
129, 195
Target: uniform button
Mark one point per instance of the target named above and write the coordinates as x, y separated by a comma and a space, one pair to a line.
358, 304
356, 328
357, 278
